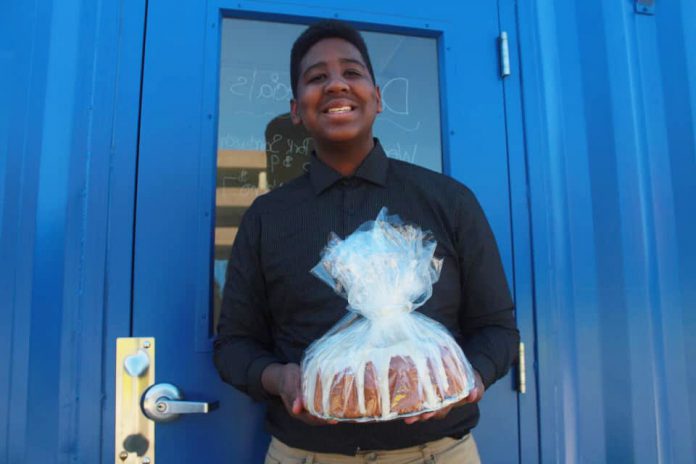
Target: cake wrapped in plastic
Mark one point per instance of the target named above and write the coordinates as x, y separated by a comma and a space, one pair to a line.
383, 360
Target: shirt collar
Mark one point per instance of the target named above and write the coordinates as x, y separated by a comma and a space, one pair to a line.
373, 169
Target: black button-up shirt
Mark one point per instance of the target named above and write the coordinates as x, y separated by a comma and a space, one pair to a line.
273, 308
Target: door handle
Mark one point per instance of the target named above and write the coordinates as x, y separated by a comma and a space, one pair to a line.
163, 402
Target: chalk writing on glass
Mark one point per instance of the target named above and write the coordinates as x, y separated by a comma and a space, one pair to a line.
272, 144
235, 142
298, 148
257, 85
273, 162
243, 194
395, 96
230, 180
404, 153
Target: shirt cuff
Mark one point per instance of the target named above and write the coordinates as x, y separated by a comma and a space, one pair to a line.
256, 390
484, 366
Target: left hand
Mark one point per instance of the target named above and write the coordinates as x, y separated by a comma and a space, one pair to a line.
474, 396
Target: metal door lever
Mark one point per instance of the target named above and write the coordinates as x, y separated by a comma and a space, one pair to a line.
163, 402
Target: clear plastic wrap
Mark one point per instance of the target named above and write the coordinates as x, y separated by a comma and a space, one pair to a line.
383, 360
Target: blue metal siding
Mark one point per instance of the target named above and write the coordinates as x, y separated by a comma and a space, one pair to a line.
28, 89
609, 100
69, 157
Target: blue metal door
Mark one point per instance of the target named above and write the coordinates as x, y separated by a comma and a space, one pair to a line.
182, 139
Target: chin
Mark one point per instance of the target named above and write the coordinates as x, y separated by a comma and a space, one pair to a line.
343, 136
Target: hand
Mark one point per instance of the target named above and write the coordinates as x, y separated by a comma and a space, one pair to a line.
284, 380
474, 396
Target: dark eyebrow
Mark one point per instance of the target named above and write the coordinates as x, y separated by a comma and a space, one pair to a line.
353, 61
342, 60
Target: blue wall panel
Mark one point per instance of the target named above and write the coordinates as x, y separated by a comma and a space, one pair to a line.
68, 129
609, 102
608, 97
27, 88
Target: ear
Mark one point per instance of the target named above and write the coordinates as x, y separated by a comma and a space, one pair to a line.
378, 94
294, 113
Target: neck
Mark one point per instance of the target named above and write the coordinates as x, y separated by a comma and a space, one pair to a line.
342, 157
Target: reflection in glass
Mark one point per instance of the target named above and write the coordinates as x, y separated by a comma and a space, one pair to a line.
258, 146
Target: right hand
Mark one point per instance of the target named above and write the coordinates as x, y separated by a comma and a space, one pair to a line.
284, 380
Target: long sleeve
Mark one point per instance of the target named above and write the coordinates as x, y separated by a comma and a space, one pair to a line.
244, 345
487, 318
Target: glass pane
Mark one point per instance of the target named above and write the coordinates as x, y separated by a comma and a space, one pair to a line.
258, 146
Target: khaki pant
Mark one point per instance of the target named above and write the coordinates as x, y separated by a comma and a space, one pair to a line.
443, 451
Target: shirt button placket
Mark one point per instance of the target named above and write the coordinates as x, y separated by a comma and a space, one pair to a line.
348, 203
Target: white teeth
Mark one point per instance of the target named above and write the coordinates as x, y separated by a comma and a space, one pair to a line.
341, 109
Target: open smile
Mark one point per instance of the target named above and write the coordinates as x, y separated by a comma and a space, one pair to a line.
339, 110
339, 106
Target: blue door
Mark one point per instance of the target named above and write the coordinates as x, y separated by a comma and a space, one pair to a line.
214, 134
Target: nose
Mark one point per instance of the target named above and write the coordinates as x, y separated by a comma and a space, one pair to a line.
336, 84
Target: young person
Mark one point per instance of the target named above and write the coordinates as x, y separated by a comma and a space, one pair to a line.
273, 308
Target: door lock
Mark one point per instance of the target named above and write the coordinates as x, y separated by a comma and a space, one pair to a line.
140, 402
163, 402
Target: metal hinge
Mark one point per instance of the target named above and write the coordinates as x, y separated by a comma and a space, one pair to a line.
646, 7
504, 54
522, 371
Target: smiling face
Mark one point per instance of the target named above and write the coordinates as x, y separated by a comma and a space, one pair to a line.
337, 101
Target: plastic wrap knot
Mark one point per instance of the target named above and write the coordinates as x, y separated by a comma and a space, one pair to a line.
383, 269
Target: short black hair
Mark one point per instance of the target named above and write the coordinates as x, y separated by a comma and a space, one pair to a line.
325, 29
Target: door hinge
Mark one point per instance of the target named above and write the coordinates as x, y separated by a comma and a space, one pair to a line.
646, 7
522, 371
504, 54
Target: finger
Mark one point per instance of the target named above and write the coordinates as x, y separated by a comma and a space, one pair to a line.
474, 396
418, 418
297, 406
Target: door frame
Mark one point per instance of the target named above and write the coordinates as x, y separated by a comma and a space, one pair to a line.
117, 275
118, 272
523, 285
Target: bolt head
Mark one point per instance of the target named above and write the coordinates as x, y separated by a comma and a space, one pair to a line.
146, 344
123, 455
146, 460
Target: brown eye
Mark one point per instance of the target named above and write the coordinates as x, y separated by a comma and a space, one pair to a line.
316, 78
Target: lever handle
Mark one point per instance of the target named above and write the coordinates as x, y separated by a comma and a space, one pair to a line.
184, 407
163, 402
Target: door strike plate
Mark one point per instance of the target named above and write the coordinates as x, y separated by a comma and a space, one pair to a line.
135, 372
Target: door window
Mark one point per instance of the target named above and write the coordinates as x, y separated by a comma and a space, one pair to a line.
258, 147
